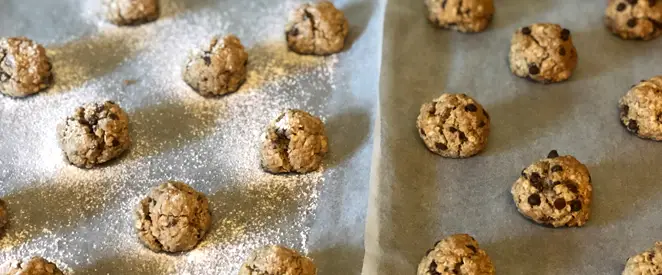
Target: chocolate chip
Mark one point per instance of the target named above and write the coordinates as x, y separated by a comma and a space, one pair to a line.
433, 110
535, 180
651, 3
572, 187
433, 268
452, 129
4, 76
620, 7
293, 32
659, 117
486, 114
443, 4
632, 2
526, 30
441, 146
556, 183
116, 142
470, 108
565, 34
482, 124
632, 126
204, 79
463, 137
625, 110
207, 60
524, 174
533, 69
553, 154
473, 248
534, 200
632, 22
113, 116
557, 168
575, 205
559, 203
457, 267
422, 132
562, 51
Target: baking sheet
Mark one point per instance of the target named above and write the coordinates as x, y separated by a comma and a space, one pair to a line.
417, 197
81, 219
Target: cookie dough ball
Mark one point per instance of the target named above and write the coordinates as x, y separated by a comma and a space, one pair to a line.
554, 191
454, 126
4, 216
634, 19
218, 68
461, 15
294, 142
33, 266
646, 263
95, 133
318, 29
172, 218
543, 53
641, 109
457, 254
24, 67
131, 12
277, 260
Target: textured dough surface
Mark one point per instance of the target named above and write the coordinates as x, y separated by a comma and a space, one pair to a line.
461, 15
456, 254
318, 29
277, 260
630, 19
217, 68
32, 266
24, 67
647, 263
641, 109
131, 12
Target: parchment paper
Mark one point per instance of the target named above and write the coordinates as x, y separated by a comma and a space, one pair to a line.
417, 197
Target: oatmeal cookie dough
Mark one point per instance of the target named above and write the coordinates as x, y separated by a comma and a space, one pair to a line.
641, 109
294, 142
218, 68
634, 19
277, 260
461, 15
24, 67
543, 53
554, 191
456, 254
32, 266
173, 217
318, 29
454, 126
646, 263
131, 12
95, 133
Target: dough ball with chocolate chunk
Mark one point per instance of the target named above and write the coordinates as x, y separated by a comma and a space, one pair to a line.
456, 254
131, 12
647, 263
24, 67
454, 126
634, 19
543, 53
294, 142
33, 266
641, 109
554, 191
461, 15
277, 260
173, 217
95, 133
318, 29
217, 68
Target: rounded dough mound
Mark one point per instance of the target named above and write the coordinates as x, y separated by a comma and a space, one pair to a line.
294, 142
172, 218
543, 53
454, 126
33, 266
461, 15
277, 260
318, 29
24, 67
95, 133
457, 254
554, 191
641, 109
632, 19
131, 12
646, 263
218, 68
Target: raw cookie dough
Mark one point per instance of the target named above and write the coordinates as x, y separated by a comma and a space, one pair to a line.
646, 263
543, 53
294, 142
131, 12
457, 254
634, 19
218, 68
318, 29
4, 216
641, 109
24, 67
95, 133
554, 191
461, 15
172, 218
33, 266
277, 260
454, 126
